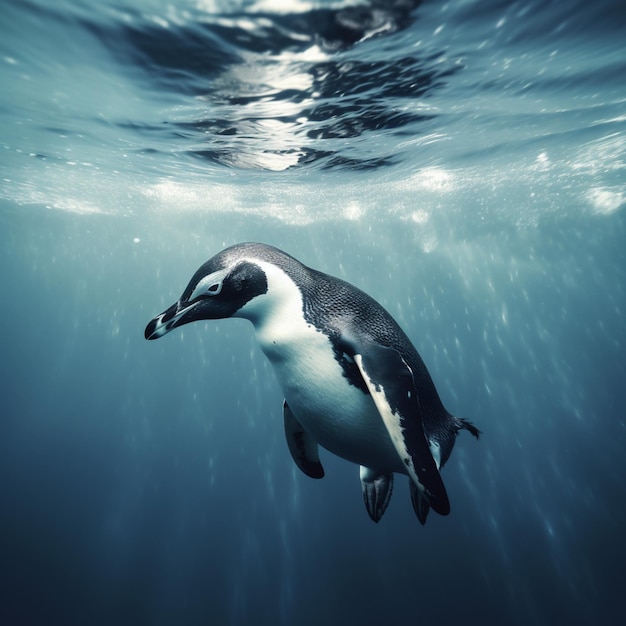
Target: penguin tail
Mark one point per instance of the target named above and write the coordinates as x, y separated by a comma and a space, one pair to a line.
454, 425
463, 424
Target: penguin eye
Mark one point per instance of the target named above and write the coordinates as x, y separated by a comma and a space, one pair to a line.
214, 289
209, 286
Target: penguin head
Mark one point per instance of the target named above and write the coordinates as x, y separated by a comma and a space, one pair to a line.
220, 288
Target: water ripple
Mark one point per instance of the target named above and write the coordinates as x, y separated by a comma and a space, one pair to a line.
274, 91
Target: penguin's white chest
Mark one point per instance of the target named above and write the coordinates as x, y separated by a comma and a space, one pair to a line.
312, 379
338, 415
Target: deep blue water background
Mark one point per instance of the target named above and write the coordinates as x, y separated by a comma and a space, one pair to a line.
463, 162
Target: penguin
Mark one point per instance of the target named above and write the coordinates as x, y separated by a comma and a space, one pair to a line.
353, 382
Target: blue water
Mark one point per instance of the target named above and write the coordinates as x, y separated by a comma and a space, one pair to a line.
463, 162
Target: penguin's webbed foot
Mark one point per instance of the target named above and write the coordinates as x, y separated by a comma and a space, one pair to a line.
377, 489
420, 504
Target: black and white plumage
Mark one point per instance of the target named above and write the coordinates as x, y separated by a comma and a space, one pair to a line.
352, 380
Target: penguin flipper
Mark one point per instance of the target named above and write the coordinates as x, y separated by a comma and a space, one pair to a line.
391, 384
377, 489
302, 446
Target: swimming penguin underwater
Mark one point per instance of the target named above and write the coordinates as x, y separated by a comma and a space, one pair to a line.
352, 380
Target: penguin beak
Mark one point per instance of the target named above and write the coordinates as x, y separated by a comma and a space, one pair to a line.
168, 320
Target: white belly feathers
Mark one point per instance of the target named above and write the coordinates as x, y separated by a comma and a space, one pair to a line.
338, 415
